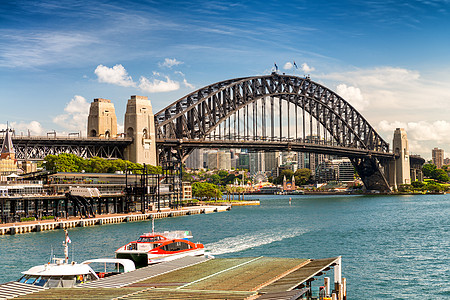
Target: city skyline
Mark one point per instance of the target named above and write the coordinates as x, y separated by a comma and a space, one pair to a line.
389, 59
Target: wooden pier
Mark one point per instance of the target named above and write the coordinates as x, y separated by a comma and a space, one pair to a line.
249, 278
35, 226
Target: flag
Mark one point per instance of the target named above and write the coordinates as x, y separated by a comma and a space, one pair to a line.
276, 67
68, 241
295, 65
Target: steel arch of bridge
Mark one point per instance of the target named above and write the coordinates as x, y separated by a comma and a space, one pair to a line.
191, 120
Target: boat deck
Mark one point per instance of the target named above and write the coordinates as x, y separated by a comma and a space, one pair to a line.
202, 278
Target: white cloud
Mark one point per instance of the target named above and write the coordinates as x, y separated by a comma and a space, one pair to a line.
307, 69
422, 135
288, 66
158, 86
75, 118
436, 131
399, 93
20, 128
116, 75
34, 49
170, 62
187, 84
353, 95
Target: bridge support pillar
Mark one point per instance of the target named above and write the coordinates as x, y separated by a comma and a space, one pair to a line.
399, 168
140, 125
102, 120
371, 172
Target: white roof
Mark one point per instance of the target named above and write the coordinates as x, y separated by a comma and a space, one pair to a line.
127, 264
59, 270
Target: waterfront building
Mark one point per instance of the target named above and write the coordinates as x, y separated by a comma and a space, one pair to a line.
187, 191
325, 172
346, 171
437, 157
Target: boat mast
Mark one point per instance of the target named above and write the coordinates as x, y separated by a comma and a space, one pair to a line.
153, 224
66, 246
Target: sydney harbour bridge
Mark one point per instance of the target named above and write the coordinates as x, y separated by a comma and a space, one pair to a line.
261, 113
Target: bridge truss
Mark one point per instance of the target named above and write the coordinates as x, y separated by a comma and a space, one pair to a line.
37, 148
270, 113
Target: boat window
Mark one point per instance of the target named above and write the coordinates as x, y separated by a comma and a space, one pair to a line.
132, 246
41, 281
53, 282
68, 281
176, 246
30, 280
149, 239
23, 279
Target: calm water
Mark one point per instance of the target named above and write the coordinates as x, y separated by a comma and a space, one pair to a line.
393, 247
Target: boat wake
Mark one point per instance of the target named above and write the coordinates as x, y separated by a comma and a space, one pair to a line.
244, 242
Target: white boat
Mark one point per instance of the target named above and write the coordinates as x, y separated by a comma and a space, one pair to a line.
153, 248
61, 273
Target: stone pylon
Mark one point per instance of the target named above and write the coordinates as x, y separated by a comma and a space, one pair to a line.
140, 126
102, 120
400, 169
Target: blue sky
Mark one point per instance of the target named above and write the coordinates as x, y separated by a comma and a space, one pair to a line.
390, 59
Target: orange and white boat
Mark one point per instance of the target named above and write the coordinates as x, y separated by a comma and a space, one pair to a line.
154, 247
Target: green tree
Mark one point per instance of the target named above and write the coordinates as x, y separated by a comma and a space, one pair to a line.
302, 176
418, 185
428, 170
440, 175
205, 190
63, 162
433, 187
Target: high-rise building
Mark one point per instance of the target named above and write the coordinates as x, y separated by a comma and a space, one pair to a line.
195, 160
257, 162
220, 160
438, 157
272, 160
243, 161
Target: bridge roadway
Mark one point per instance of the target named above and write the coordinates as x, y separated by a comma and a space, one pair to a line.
283, 145
38, 147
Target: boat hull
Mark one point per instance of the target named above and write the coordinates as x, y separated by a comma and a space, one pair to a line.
142, 259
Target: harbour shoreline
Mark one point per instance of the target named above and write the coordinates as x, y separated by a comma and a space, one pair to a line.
44, 225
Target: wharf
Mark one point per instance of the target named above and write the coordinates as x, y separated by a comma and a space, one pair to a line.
248, 278
37, 226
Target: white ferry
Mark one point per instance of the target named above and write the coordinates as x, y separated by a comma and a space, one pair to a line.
61, 273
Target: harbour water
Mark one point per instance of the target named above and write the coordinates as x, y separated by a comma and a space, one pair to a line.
393, 247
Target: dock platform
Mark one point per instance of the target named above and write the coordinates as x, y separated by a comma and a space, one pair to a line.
36, 226
205, 278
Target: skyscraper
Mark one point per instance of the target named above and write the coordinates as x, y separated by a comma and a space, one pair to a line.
438, 157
